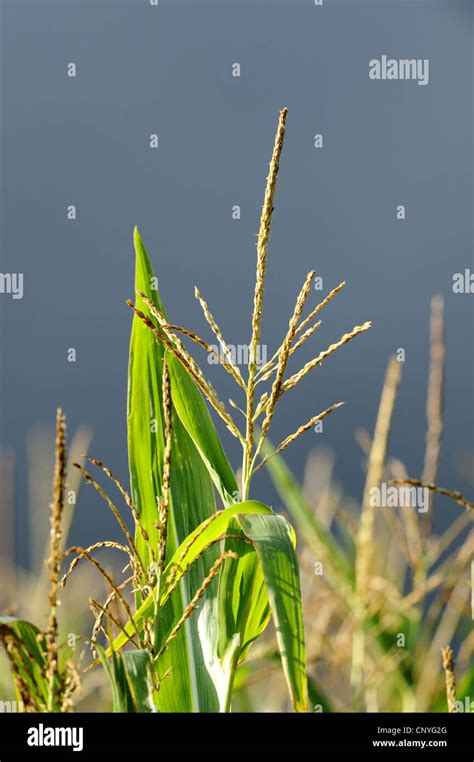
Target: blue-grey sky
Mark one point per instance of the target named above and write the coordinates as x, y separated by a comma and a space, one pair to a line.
168, 70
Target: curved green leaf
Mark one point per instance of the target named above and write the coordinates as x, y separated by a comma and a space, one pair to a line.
129, 676
189, 550
243, 609
273, 539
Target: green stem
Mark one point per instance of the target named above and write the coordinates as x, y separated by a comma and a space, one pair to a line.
230, 682
245, 475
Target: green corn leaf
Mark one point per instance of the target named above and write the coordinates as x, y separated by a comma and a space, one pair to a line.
31, 663
203, 535
122, 700
233, 614
243, 609
130, 679
194, 415
189, 550
137, 670
192, 500
266, 574
27, 634
192, 497
273, 539
220, 670
144, 409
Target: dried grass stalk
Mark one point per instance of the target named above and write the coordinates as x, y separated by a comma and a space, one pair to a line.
434, 403
364, 544
305, 336
54, 560
261, 405
188, 546
173, 584
375, 474
263, 239
72, 683
448, 665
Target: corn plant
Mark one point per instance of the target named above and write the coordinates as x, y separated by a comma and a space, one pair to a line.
201, 582
42, 682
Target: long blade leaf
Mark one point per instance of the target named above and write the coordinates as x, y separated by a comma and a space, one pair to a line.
273, 539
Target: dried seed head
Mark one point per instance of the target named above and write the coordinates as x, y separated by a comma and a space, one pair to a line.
320, 306
91, 549
453, 494
264, 237
218, 334
54, 561
123, 491
305, 336
266, 371
137, 562
103, 611
284, 355
84, 553
291, 438
262, 245
165, 496
448, 665
291, 382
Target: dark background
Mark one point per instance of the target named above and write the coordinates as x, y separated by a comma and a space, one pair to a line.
167, 70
